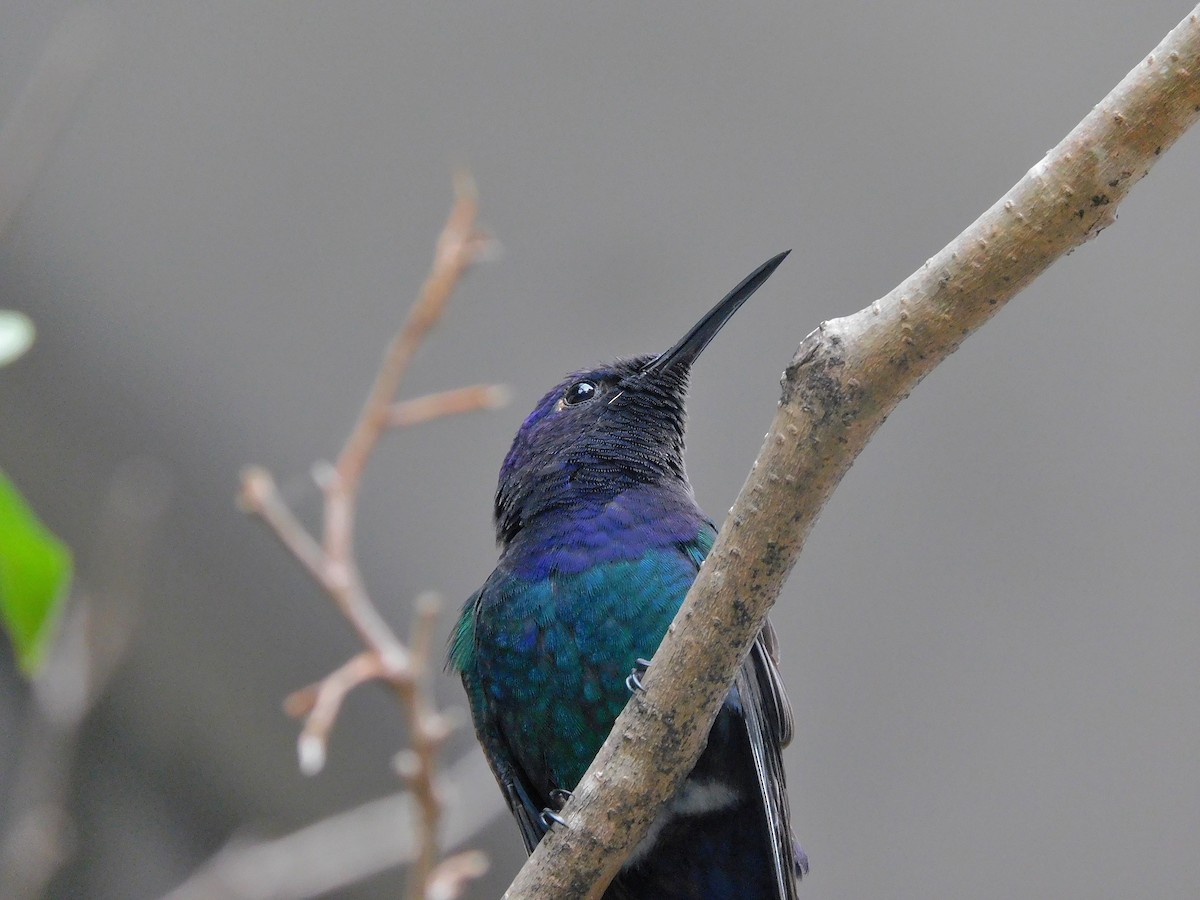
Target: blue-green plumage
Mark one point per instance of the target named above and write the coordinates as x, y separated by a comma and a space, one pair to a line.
584, 630
600, 540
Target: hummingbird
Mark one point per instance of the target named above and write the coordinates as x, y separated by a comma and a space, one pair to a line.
600, 538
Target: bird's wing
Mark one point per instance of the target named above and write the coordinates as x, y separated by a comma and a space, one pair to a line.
515, 787
768, 718
765, 658
770, 727
514, 784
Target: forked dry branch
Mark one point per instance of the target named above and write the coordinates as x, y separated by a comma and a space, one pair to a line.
331, 561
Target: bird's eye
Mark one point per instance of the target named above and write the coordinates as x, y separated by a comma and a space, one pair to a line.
579, 392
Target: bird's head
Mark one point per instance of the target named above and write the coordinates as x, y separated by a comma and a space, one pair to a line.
601, 431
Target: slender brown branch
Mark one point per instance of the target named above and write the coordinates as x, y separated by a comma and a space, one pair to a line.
446, 403
326, 702
332, 563
460, 244
259, 496
844, 380
428, 731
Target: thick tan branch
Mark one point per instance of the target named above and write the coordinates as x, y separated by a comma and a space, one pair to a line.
844, 380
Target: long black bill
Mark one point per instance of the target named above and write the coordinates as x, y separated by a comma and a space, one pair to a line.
683, 354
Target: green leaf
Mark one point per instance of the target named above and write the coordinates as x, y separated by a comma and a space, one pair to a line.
16, 335
35, 572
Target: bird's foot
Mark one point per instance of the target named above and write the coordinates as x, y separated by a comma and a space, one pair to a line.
559, 797
634, 680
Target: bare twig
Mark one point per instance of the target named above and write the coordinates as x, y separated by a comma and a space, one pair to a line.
460, 244
327, 697
844, 380
459, 400
260, 496
428, 732
332, 563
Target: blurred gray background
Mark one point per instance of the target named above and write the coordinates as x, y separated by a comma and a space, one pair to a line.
991, 639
